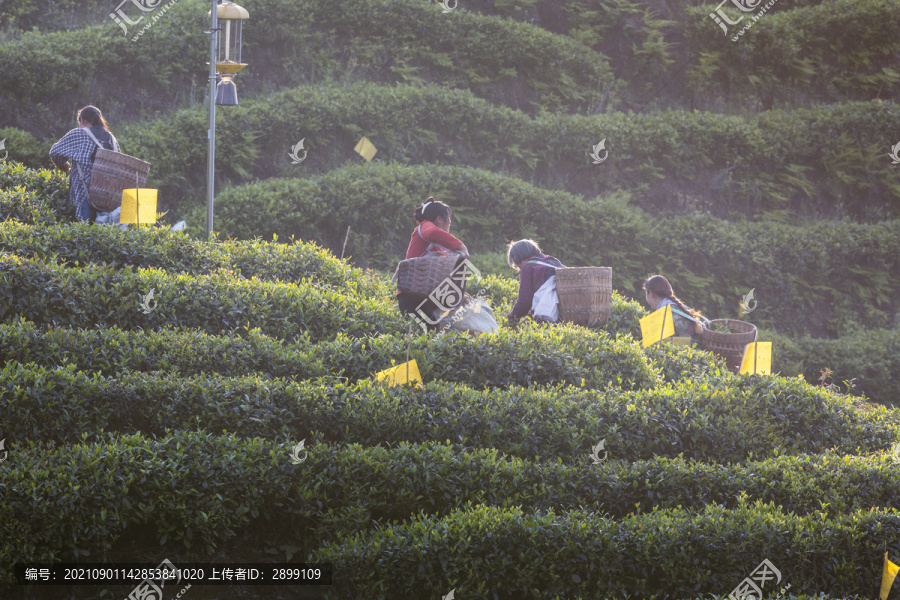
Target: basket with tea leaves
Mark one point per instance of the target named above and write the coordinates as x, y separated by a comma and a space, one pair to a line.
728, 338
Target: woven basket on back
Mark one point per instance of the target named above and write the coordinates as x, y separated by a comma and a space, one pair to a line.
729, 346
421, 276
584, 294
113, 172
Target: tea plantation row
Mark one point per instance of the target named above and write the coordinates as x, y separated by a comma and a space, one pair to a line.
835, 51
711, 262
723, 419
782, 262
797, 161
504, 61
75, 245
102, 295
530, 355
864, 356
134, 485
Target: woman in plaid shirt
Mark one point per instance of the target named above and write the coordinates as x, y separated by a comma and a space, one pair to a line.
78, 147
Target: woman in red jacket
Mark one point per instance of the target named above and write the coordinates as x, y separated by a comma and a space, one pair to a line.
432, 235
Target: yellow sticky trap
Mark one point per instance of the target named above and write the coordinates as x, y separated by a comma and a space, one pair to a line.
887, 576
757, 359
657, 325
400, 374
130, 200
366, 149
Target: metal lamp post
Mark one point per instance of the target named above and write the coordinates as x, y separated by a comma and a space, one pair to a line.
224, 62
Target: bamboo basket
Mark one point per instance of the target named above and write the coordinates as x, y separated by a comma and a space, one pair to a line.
585, 294
113, 172
729, 346
421, 276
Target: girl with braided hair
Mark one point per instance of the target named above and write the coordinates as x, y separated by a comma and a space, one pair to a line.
688, 322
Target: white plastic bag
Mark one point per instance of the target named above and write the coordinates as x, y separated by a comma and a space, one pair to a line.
546, 302
474, 316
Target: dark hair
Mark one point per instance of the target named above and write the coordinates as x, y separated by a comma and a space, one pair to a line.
432, 210
520, 251
93, 116
660, 286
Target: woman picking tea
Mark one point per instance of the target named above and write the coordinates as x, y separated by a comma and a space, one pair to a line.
432, 235
688, 322
78, 146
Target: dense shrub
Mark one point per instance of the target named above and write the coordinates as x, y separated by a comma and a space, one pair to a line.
721, 420
725, 164
711, 263
504, 61
24, 148
839, 52
126, 485
103, 295
867, 362
246, 485
52, 184
547, 555
30, 196
80, 245
530, 356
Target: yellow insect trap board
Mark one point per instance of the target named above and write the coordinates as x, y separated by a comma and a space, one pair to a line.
135, 198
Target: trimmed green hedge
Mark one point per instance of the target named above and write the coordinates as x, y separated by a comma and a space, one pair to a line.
103, 295
839, 50
32, 196
80, 245
505, 553
286, 43
26, 206
528, 356
726, 164
22, 147
244, 485
711, 263
722, 420
869, 358
51, 184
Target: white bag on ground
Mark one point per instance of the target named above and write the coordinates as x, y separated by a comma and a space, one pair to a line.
546, 302
475, 316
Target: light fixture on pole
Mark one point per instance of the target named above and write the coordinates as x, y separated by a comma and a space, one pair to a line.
225, 62
228, 61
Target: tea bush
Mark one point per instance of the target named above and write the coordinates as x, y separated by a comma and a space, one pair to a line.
869, 360
501, 141
671, 551
51, 184
727, 420
102, 295
508, 358
123, 487
34, 196
504, 61
22, 148
832, 54
80, 245
733, 166
711, 262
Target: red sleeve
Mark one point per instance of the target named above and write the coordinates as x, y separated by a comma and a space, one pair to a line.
433, 233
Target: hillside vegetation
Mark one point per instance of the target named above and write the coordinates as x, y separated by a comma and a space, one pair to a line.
165, 395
